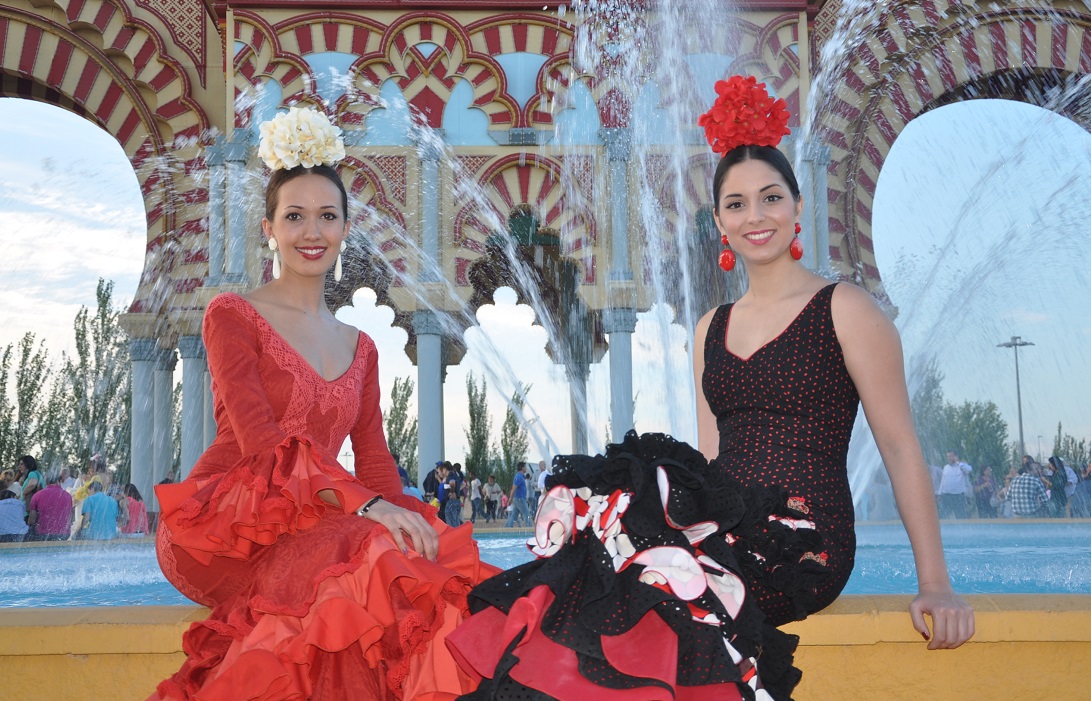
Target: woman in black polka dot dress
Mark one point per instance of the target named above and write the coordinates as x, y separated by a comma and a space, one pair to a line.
662, 574
781, 372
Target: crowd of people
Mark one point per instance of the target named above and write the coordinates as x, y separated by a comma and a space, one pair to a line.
460, 496
68, 504
1031, 490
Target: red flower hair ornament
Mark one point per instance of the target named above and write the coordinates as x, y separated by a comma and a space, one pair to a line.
744, 114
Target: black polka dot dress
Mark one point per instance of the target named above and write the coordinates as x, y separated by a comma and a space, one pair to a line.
785, 415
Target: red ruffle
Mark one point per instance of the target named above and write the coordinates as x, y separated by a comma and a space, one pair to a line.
260, 499
480, 643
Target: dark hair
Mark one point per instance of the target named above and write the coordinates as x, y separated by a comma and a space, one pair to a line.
766, 154
94, 487
397, 458
280, 177
130, 490
30, 462
7, 494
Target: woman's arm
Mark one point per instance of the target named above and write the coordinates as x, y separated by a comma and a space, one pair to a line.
873, 356
376, 469
708, 435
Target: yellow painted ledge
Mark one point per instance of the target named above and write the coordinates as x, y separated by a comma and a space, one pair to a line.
862, 647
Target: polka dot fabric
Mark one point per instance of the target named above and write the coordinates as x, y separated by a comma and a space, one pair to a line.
785, 415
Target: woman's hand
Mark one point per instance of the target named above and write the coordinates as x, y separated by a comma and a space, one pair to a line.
403, 522
952, 618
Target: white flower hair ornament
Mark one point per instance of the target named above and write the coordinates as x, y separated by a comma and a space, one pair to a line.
300, 137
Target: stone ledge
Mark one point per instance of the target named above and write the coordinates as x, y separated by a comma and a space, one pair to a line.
862, 647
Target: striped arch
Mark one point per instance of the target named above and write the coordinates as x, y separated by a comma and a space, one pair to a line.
541, 183
113, 70
261, 57
426, 81
529, 33
924, 55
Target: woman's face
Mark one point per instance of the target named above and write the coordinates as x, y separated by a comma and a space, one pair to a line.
308, 225
756, 211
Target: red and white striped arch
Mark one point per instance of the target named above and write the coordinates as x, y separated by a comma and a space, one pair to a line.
922, 52
96, 59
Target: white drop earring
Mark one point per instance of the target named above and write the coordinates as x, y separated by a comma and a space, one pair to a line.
337, 268
276, 258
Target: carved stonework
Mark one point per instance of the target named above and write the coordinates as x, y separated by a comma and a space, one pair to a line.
185, 20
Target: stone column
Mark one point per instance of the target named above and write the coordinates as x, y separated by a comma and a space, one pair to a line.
618, 145
236, 153
577, 372
431, 151
814, 161
620, 324
162, 453
429, 330
143, 354
217, 179
192, 350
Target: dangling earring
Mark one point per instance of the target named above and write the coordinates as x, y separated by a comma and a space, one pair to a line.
276, 257
337, 266
727, 256
796, 249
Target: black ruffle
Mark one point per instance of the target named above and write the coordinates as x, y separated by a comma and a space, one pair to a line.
593, 600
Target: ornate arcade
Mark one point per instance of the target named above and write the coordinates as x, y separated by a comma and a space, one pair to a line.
517, 147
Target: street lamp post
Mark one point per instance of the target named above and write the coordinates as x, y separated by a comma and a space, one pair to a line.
1016, 343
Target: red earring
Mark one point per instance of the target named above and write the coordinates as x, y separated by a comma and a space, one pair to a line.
727, 256
796, 249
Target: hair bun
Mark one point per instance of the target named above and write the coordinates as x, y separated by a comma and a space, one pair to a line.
744, 114
300, 137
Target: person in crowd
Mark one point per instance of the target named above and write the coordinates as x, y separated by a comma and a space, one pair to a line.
543, 475
136, 524
30, 478
68, 480
761, 535
443, 488
321, 583
1055, 481
952, 488
493, 493
11, 482
50, 513
1081, 498
453, 507
1027, 493
398, 464
985, 494
101, 515
517, 498
475, 498
13, 515
431, 484
1071, 480
410, 489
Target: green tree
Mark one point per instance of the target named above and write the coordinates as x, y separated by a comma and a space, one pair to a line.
514, 442
31, 374
98, 380
477, 434
981, 435
401, 426
1066, 446
930, 413
7, 412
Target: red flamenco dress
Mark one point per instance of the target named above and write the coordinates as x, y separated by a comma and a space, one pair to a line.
309, 600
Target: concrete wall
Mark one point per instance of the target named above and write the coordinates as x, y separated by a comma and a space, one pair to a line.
862, 647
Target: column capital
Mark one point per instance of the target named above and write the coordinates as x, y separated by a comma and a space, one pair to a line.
165, 360
619, 142
191, 347
428, 323
430, 145
619, 320
143, 349
816, 151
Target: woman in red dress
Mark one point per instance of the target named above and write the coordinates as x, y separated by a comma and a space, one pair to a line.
322, 584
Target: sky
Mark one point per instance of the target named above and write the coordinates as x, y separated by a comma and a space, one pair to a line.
981, 231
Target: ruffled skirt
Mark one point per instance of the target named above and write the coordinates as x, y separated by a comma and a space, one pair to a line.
309, 603
641, 587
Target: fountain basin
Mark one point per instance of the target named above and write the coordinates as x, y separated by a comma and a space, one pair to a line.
862, 647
